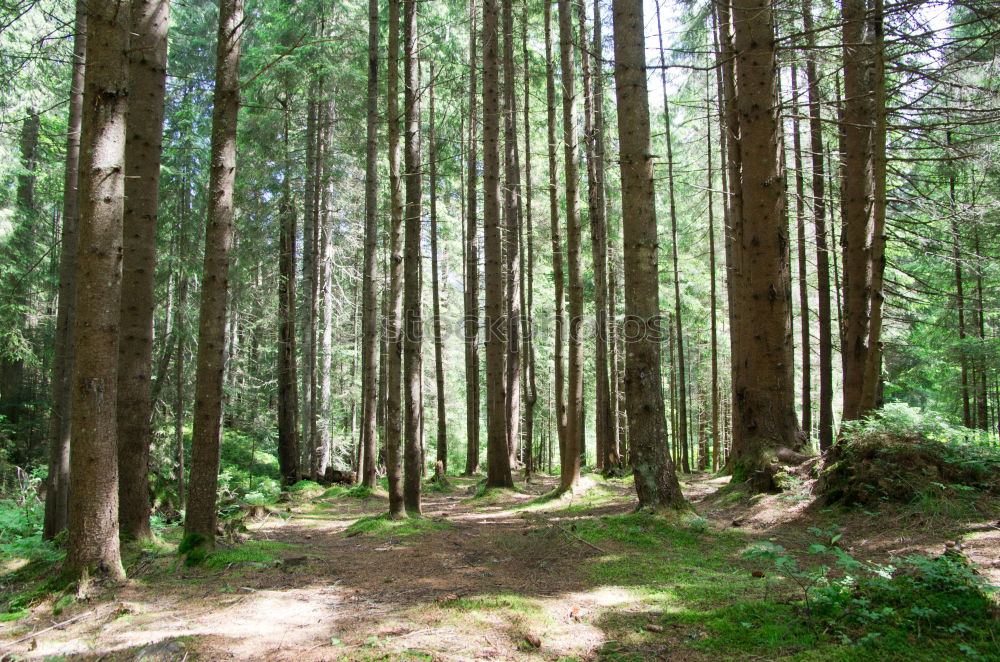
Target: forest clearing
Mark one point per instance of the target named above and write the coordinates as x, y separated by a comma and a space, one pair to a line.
515, 575
558, 330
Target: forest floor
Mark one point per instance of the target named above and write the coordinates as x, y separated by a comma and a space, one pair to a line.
501, 576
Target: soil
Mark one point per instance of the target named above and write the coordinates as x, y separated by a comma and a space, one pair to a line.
338, 597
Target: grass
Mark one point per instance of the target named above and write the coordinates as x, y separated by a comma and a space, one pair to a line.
511, 602
356, 492
696, 584
381, 526
305, 485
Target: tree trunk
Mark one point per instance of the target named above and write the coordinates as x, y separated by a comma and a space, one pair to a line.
857, 130
959, 299
180, 331
682, 411
558, 372
201, 512
288, 439
570, 470
442, 419
370, 268
147, 84
411, 296
324, 408
471, 294
18, 248
713, 293
871, 394
311, 204
597, 207
93, 547
394, 376
527, 292
512, 231
800, 227
731, 156
57, 492
764, 391
822, 248
497, 458
655, 481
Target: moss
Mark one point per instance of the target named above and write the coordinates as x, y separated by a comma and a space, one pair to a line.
868, 467
383, 526
193, 549
13, 615
304, 485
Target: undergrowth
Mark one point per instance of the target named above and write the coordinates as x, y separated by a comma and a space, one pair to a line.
355, 492
905, 455
383, 526
916, 607
708, 588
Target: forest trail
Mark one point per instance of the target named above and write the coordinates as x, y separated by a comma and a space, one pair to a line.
505, 576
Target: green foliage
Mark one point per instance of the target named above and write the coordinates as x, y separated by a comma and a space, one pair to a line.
898, 420
382, 526
906, 455
244, 554
21, 518
359, 492
193, 549
304, 485
859, 603
506, 601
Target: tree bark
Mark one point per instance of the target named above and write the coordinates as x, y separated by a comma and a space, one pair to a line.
57, 493
655, 481
569, 472
800, 227
412, 456
394, 375
93, 547
713, 287
512, 254
527, 292
871, 394
442, 419
822, 248
18, 248
288, 429
497, 458
471, 294
370, 268
147, 85
558, 351
597, 207
201, 513
857, 128
764, 418
682, 405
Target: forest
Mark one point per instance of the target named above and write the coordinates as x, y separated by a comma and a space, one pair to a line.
499, 330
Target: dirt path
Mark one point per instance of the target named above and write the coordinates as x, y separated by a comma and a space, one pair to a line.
335, 596
503, 578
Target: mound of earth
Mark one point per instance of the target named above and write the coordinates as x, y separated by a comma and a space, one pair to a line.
871, 469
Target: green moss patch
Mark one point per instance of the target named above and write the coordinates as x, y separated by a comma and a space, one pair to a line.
383, 526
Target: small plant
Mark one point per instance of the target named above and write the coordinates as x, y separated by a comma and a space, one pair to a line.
304, 485
193, 549
383, 526
862, 602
